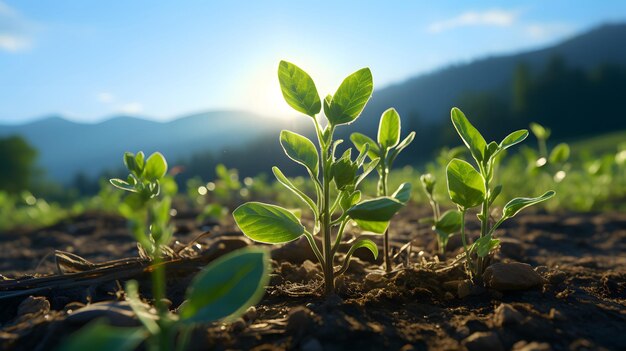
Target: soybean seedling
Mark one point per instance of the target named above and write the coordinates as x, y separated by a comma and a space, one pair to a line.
224, 288
470, 187
443, 225
330, 175
386, 149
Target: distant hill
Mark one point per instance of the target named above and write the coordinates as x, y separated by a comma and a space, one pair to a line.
424, 103
428, 98
67, 147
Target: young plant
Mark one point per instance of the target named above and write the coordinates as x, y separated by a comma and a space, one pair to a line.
386, 149
224, 288
330, 175
470, 187
444, 225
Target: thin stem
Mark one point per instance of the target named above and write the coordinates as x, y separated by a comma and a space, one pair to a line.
468, 259
342, 227
315, 249
385, 192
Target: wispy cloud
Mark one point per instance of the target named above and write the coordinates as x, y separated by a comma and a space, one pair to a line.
494, 18
15, 30
541, 31
105, 97
131, 108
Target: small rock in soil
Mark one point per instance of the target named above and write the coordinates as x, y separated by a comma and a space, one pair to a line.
33, 304
299, 320
482, 341
511, 276
506, 314
312, 344
374, 280
532, 346
238, 325
556, 315
250, 314
118, 313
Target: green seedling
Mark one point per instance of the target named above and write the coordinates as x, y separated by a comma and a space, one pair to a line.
223, 289
552, 161
444, 225
386, 149
471, 187
330, 175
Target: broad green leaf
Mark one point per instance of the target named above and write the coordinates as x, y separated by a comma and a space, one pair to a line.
367, 169
513, 138
560, 153
378, 209
351, 97
98, 336
363, 242
300, 149
484, 245
403, 194
327, 100
540, 131
298, 89
465, 185
449, 223
514, 206
227, 286
389, 129
139, 161
343, 172
401, 146
349, 200
118, 183
156, 167
469, 134
289, 185
130, 163
495, 193
360, 140
376, 227
491, 150
267, 223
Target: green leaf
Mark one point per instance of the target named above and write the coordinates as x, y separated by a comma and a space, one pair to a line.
469, 134
465, 185
98, 336
513, 138
389, 129
428, 182
559, 154
484, 245
227, 286
139, 161
267, 223
300, 149
343, 172
403, 194
514, 206
401, 146
363, 242
378, 209
298, 89
376, 227
120, 184
156, 167
350, 200
289, 185
360, 140
130, 163
495, 193
540, 131
449, 223
351, 97
327, 100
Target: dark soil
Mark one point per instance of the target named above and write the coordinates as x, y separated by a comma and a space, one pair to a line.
573, 299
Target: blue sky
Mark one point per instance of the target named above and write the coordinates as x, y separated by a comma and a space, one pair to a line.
89, 60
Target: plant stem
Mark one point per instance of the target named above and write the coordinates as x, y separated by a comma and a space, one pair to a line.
468, 259
385, 192
329, 280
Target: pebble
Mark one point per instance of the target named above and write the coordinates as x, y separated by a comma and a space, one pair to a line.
505, 315
251, 314
511, 276
482, 341
299, 320
556, 315
311, 344
531, 346
238, 325
33, 304
374, 280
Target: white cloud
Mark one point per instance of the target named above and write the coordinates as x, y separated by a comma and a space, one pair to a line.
105, 97
14, 30
541, 31
131, 108
493, 18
